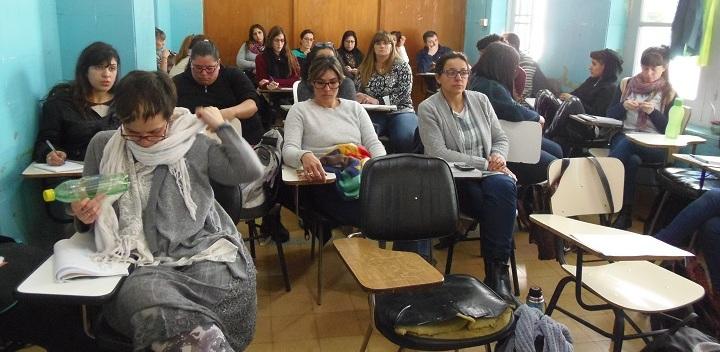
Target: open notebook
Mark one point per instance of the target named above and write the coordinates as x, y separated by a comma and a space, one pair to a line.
68, 166
74, 258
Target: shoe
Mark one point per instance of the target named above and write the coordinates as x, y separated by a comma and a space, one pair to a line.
624, 219
497, 277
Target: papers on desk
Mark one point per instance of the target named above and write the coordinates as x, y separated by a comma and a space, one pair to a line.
374, 107
628, 245
74, 258
68, 166
598, 120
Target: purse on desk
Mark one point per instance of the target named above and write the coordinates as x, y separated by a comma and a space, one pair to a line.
462, 308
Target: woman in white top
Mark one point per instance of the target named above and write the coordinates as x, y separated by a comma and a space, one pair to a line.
245, 59
399, 42
183, 57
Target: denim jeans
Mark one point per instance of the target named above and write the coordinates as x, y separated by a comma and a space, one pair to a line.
492, 201
702, 214
632, 155
528, 174
399, 127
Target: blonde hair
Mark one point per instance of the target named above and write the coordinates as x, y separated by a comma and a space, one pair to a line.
367, 67
184, 48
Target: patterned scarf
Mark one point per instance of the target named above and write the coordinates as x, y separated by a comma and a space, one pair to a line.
637, 86
256, 48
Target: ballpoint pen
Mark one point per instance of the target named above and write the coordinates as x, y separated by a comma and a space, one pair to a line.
50, 145
700, 159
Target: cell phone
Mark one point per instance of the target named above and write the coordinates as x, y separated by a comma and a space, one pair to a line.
463, 167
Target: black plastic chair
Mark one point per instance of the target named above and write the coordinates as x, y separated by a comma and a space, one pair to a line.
408, 197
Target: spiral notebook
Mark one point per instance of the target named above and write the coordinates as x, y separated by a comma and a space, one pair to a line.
74, 259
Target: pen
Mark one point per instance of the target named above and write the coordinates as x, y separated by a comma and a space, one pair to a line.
700, 159
50, 145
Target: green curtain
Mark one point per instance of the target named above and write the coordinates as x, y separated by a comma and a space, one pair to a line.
708, 24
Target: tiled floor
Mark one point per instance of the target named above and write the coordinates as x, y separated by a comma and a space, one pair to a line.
292, 321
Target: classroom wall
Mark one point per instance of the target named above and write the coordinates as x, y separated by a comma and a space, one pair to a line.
186, 17
30, 57
495, 11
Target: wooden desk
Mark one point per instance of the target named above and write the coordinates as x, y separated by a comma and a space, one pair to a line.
278, 90
32, 171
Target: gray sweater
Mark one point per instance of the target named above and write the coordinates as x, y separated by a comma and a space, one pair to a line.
441, 136
310, 127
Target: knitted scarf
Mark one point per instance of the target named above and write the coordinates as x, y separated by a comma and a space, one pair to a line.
256, 48
118, 236
638, 87
346, 162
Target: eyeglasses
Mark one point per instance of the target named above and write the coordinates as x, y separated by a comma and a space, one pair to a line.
320, 84
208, 69
350, 41
324, 45
149, 137
455, 73
308, 39
279, 40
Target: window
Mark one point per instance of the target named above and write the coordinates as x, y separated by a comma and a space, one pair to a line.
527, 20
656, 18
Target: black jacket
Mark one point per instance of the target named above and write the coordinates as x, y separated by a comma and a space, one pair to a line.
63, 124
231, 88
595, 95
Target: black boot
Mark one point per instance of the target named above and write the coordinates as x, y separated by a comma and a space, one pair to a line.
497, 277
624, 218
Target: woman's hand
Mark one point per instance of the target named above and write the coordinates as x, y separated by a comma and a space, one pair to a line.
87, 210
564, 96
496, 162
541, 121
363, 98
507, 171
273, 85
646, 107
211, 116
631, 105
263, 82
312, 167
56, 158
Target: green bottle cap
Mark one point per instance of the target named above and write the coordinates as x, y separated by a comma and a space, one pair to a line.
49, 195
678, 102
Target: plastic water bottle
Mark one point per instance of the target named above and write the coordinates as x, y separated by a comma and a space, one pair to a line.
87, 187
535, 298
675, 119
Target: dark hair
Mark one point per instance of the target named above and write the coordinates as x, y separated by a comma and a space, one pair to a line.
311, 57
306, 31
486, 40
250, 33
204, 47
322, 64
159, 34
659, 56
512, 39
345, 36
426, 35
144, 94
293, 66
498, 63
397, 35
612, 62
440, 64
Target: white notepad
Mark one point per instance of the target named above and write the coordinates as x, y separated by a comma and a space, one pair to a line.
68, 166
74, 258
630, 245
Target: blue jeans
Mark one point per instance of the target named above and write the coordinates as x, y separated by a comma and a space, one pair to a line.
632, 155
702, 214
492, 201
528, 174
399, 127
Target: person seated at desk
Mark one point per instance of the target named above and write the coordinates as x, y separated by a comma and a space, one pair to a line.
206, 82
461, 126
643, 103
74, 111
276, 67
315, 127
386, 80
305, 88
254, 46
349, 55
520, 75
493, 75
428, 56
203, 288
307, 38
702, 214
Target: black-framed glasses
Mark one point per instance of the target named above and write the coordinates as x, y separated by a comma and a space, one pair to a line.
208, 68
323, 45
455, 73
320, 84
149, 137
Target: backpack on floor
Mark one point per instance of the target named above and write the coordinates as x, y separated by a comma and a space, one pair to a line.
258, 193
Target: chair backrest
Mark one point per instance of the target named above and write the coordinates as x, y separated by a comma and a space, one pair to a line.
295, 91
581, 192
686, 118
407, 197
525, 140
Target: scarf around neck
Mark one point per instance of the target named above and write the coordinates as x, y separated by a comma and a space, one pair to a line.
256, 48
637, 86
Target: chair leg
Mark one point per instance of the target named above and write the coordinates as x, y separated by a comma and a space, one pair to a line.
366, 339
653, 221
320, 263
313, 233
448, 261
618, 330
513, 268
283, 265
252, 235
556, 295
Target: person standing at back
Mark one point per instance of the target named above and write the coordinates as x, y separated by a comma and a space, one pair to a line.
429, 55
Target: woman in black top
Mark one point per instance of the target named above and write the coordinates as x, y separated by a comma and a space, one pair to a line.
206, 82
598, 89
349, 54
74, 111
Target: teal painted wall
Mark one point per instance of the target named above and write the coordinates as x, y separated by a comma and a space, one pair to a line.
617, 25
29, 66
496, 13
186, 17
162, 21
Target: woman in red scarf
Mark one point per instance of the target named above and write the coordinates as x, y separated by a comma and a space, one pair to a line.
642, 102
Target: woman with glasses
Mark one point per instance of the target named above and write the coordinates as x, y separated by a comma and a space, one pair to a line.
458, 125
253, 47
276, 67
208, 83
314, 127
349, 54
194, 284
305, 88
493, 75
74, 111
307, 38
385, 79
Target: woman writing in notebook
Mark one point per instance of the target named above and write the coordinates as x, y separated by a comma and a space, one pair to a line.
459, 125
276, 67
194, 284
74, 111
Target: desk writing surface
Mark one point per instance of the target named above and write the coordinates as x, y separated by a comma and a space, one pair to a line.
657, 140
712, 161
374, 107
530, 101
425, 74
592, 120
290, 177
32, 171
278, 90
